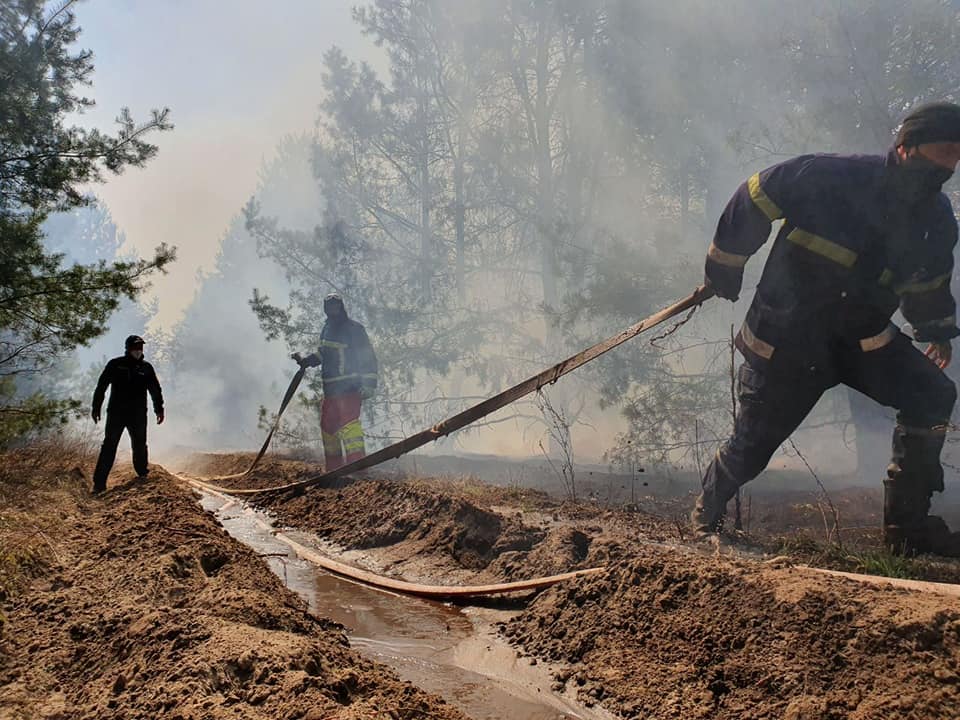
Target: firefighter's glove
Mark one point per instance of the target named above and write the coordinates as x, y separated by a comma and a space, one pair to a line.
95, 414
366, 393
724, 281
311, 360
940, 353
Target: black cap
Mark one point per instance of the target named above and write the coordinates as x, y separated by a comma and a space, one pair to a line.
133, 341
934, 122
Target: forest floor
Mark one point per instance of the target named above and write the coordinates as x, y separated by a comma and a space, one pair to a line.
136, 604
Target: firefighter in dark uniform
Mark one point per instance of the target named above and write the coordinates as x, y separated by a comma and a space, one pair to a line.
130, 378
861, 237
349, 374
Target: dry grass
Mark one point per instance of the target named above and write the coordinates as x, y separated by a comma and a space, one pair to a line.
34, 481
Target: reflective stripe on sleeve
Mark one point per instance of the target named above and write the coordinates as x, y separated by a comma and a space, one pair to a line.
726, 258
923, 286
767, 206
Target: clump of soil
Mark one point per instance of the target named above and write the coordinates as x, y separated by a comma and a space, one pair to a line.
677, 635
149, 609
377, 513
562, 549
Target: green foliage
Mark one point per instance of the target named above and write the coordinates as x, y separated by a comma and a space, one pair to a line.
46, 306
885, 563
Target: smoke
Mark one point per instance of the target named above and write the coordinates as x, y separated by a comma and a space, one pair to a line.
498, 185
221, 369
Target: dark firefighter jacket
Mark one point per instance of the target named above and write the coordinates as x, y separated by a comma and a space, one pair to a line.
129, 382
851, 251
348, 363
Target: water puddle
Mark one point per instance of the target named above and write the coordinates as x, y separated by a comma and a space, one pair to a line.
446, 650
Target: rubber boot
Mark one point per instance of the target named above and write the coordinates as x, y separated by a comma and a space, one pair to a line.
908, 529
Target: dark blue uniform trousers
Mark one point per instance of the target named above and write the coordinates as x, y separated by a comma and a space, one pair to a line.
773, 403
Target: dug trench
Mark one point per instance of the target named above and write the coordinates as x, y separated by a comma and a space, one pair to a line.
136, 604
669, 630
141, 606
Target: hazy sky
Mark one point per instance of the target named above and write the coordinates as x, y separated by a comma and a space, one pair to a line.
236, 76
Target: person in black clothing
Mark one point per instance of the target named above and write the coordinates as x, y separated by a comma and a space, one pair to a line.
130, 378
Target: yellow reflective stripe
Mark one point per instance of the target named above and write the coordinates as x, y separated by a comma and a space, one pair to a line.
726, 258
827, 248
369, 376
923, 286
352, 434
332, 344
331, 443
886, 277
879, 340
760, 347
351, 430
762, 200
949, 321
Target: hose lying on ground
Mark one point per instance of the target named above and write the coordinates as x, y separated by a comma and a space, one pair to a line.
436, 592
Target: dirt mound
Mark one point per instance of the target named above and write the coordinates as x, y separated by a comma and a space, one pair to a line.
562, 549
377, 513
272, 470
668, 635
151, 610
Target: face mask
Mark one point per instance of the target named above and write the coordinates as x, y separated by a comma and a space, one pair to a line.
136, 354
919, 177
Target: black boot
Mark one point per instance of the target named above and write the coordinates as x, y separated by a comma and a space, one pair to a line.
908, 529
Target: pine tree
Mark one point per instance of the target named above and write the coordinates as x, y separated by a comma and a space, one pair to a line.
47, 307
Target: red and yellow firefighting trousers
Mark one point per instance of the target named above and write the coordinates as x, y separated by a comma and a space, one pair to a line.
341, 430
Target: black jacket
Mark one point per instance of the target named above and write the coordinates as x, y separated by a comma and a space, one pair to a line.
347, 360
851, 251
129, 382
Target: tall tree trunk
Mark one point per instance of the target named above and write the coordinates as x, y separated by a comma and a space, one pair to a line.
545, 210
426, 249
460, 215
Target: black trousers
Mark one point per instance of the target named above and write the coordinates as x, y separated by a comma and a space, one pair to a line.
773, 404
136, 425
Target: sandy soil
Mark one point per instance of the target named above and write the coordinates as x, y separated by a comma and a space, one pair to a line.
671, 630
137, 605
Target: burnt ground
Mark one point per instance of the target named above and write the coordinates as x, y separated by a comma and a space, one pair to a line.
672, 629
137, 604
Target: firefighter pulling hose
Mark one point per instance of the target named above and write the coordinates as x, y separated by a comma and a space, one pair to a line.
862, 236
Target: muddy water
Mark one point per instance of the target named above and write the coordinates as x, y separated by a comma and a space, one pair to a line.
443, 649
